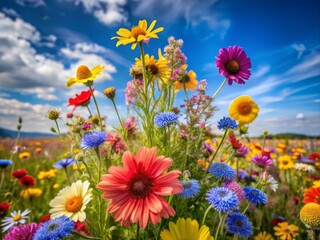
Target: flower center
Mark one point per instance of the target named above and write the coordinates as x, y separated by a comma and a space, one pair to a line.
244, 108
83, 72
232, 67
74, 204
285, 162
140, 186
239, 223
17, 217
52, 227
153, 69
184, 79
136, 31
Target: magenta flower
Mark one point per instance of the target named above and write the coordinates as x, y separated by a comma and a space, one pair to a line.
22, 232
261, 161
234, 64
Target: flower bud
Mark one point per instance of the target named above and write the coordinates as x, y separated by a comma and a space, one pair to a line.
54, 114
110, 92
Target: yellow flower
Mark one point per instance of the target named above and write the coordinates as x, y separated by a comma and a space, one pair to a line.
30, 193
110, 92
47, 174
310, 215
38, 150
263, 236
24, 155
75, 167
55, 186
285, 231
243, 109
72, 201
316, 183
187, 81
156, 68
186, 229
285, 162
85, 76
137, 33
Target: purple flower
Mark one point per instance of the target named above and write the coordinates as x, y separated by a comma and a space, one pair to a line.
22, 232
261, 161
236, 188
242, 151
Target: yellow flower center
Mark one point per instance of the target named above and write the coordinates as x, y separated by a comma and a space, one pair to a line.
136, 31
244, 108
285, 162
232, 67
83, 72
153, 69
185, 79
17, 217
140, 186
74, 204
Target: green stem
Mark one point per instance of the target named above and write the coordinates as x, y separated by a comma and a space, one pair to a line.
12, 154
218, 90
99, 167
205, 214
59, 133
66, 171
2, 177
90, 176
84, 236
121, 123
219, 146
90, 113
219, 225
96, 104
246, 208
138, 231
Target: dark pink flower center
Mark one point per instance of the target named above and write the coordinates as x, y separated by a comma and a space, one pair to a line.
140, 186
232, 67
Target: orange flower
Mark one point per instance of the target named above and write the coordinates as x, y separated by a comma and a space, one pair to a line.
312, 195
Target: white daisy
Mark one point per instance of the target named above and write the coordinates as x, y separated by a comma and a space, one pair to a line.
304, 167
71, 201
269, 181
17, 217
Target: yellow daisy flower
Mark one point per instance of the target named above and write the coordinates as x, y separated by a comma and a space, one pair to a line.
310, 215
285, 231
263, 236
85, 76
316, 183
31, 193
186, 229
188, 80
72, 201
285, 162
24, 155
47, 174
156, 68
137, 33
243, 109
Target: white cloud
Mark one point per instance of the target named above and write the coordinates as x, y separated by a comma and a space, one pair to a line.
301, 48
48, 94
300, 116
108, 12
31, 3
10, 12
261, 71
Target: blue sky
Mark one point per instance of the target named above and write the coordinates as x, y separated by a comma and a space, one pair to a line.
42, 43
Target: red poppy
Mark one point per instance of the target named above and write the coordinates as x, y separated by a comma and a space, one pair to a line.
266, 153
314, 156
81, 227
19, 173
4, 207
27, 181
80, 99
44, 218
234, 142
312, 195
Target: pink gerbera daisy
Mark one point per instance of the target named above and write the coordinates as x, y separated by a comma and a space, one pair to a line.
135, 190
234, 64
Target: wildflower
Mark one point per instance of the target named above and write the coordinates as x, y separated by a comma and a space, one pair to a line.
45, 218
4, 207
135, 190
312, 195
310, 215
239, 224
236, 188
254, 195
263, 236
54, 114
222, 170
31, 193
22, 232
131, 125
234, 64
242, 151
314, 156
190, 188
269, 181
186, 80
93, 139
285, 231
243, 109
222, 199
186, 229
227, 123
285, 162
47, 174
57, 228
132, 90
72, 201
261, 161
69, 115
5, 163
304, 167
236, 144
63, 163
85, 76
17, 217
24, 155
110, 92
27, 181
137, 34
156, 68
81, 99
165, 118
136, 72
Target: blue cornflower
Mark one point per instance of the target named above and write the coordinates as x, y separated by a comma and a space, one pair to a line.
222, 199
56, 228
64, 163
227, 123
190, 188
239, 224
93, 139
222, 170
254, 195
5, 163
165, 118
